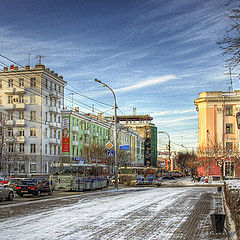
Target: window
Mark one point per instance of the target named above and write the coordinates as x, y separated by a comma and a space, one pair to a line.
10, 132
59, 150
46, 100
32, 132
229, 128
51, 133
33, 148
21, 167
229, 169
229, 146
46, 132
33, 115
50, 86
10, 147
55, 118
21, 99
59, 119
10, 99
55, 150
46, 148
21, 132
55, 133
55, 87
33, 82
45, 167
20, 82
50, 148
10, 115
46, 83
0, 83
21, 115
59, 134
33, 167
229, 110
46, 116
32, 98
10, 82
21, 147
0, 100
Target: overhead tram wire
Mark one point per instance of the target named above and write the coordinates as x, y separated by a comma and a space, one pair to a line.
65, 87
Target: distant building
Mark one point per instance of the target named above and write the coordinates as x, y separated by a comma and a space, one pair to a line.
32, 99
85, 137
218, 133
148, 131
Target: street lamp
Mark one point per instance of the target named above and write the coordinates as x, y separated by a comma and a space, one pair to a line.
115, 133
169, 149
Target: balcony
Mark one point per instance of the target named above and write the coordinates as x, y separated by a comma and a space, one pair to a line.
20, 139
75, 129
53, 124
10, 106
10, 123
75, 143
53, 109
52, 140
20, 122
54, 94
87, 132
9, 90
20, 106
19, 90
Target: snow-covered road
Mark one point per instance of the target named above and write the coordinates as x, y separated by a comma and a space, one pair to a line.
146, 213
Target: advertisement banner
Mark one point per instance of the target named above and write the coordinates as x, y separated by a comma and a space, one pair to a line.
65, 135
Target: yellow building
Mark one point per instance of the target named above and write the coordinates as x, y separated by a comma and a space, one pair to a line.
218, 133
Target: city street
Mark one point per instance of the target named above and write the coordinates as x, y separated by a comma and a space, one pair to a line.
133, 213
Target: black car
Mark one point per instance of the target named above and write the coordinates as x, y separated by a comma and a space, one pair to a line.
34, 187
167, 178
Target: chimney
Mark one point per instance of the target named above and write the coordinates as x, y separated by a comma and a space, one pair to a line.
76, 109
52, 72
61, 77
5, 69
12, 67
39, 66
48, 69
27, 67
16, 68
56, 74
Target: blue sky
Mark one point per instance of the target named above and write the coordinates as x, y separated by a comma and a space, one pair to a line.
157, 55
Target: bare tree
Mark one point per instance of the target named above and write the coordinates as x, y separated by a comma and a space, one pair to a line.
230, 43
8, 148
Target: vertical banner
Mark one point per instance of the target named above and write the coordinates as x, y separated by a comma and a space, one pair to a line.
65, 135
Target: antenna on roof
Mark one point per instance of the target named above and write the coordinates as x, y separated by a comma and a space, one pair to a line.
39, 57
230, 78
134, 111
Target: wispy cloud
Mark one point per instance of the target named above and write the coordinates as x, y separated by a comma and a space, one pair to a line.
173, 112
149, 82
176, 120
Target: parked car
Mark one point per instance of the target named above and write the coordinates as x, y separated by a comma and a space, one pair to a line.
167, 178
34, 186
6, 193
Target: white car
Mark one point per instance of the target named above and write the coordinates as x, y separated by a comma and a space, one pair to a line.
6, 193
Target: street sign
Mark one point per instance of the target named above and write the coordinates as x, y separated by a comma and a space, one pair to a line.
110, 153
109, 145
124, 147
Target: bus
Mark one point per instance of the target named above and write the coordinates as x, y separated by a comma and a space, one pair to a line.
79, 177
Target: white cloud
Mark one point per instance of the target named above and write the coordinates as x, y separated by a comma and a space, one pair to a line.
149, 82
163, 113
175, 120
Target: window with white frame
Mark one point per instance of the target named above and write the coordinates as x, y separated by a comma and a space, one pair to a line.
21, 99
46, 167
21, 167
10, 147
32, 132
59, 150
21, 115
32, 98
33, 82
46, 116
33, 115
10, 132
10, 115
46, 133
20, 82
46, 148
21, 147
32, 167
10, 82
33, 148
21, 132
10, 99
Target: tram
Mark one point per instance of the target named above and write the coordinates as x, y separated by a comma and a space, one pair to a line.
79, 177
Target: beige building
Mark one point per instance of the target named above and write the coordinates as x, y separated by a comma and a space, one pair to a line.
32, 99
218, 133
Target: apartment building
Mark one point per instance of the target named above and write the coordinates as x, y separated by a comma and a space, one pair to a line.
32, 100
218, 133
85, 137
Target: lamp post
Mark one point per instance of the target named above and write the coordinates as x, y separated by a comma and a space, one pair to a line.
115, 133
169, 149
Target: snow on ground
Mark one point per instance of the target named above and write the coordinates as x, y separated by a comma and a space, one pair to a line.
149, 213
